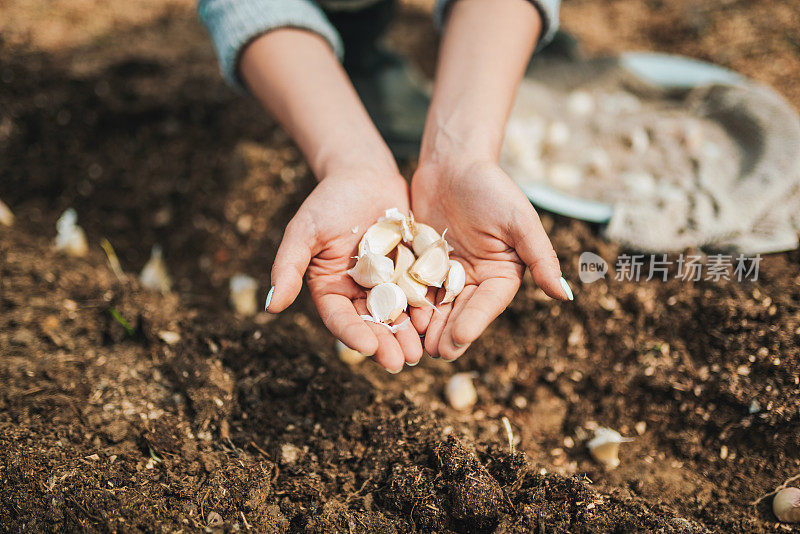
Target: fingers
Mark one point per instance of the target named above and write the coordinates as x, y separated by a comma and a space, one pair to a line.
421, 317
436, 327
291, 262
534, 248
409, 341
472, 316
393, 350
340, 317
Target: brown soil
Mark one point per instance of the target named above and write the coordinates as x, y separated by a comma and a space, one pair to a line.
254, 423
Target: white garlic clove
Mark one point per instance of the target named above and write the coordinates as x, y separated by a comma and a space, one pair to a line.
424, 237
380, 238
638, 140
243, 294
432, 266
348, 355
6, 216
415, 292
408, 228
786, 505
460, 391
455, 281
557, 134
154, 275
604, 447
386, 302
580, 103
405, 259
565, 176
371, 269
70, 238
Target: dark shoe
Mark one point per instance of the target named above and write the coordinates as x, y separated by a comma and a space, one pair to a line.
396, 102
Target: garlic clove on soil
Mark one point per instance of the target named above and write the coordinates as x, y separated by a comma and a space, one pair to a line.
348, 355
154, 275
455, 281
460, 391
386, 302
604, 447
380, 238
243, 294
6, 216
424, 237
70, 238
372, 269
432, 265
786, 505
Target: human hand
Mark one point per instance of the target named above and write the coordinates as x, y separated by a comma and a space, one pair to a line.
321, 239
495, 233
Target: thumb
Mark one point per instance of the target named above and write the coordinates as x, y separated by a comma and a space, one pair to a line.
291, 262
534, 248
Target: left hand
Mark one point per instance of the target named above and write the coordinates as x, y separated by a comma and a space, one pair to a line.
495, 233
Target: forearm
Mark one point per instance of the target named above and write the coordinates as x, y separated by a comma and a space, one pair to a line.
297, 78
485, 49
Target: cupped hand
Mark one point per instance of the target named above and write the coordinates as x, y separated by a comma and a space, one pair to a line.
321, 239
496, 234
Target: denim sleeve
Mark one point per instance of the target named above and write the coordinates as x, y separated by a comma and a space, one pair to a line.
234, 23
548, 9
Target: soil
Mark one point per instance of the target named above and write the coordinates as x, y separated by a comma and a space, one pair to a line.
117, 109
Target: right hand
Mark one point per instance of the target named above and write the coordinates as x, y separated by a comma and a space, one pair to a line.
322, 239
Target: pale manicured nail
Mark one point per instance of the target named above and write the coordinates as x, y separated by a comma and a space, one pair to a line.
566, 288
394, 372
269, 297
413, 364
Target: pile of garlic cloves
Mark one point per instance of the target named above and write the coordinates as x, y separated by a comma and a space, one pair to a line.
398, 260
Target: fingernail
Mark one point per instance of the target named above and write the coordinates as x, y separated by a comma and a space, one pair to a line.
459, 345
413, 364
394, 372
566, 288
269, 297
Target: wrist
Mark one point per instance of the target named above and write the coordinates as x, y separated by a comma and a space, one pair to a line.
453, 142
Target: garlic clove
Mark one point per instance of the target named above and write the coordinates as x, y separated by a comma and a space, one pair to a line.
154, 275
405, 259
424, 237
786, 505
348, 355
460, 391
408, 228
371, 269
70, 238
6, 216
415, 292
604, 447
380, 238
432, 266
455, 281
243, 294
386, 302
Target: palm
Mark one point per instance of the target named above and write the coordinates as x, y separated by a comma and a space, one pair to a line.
491, 225
321, 240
